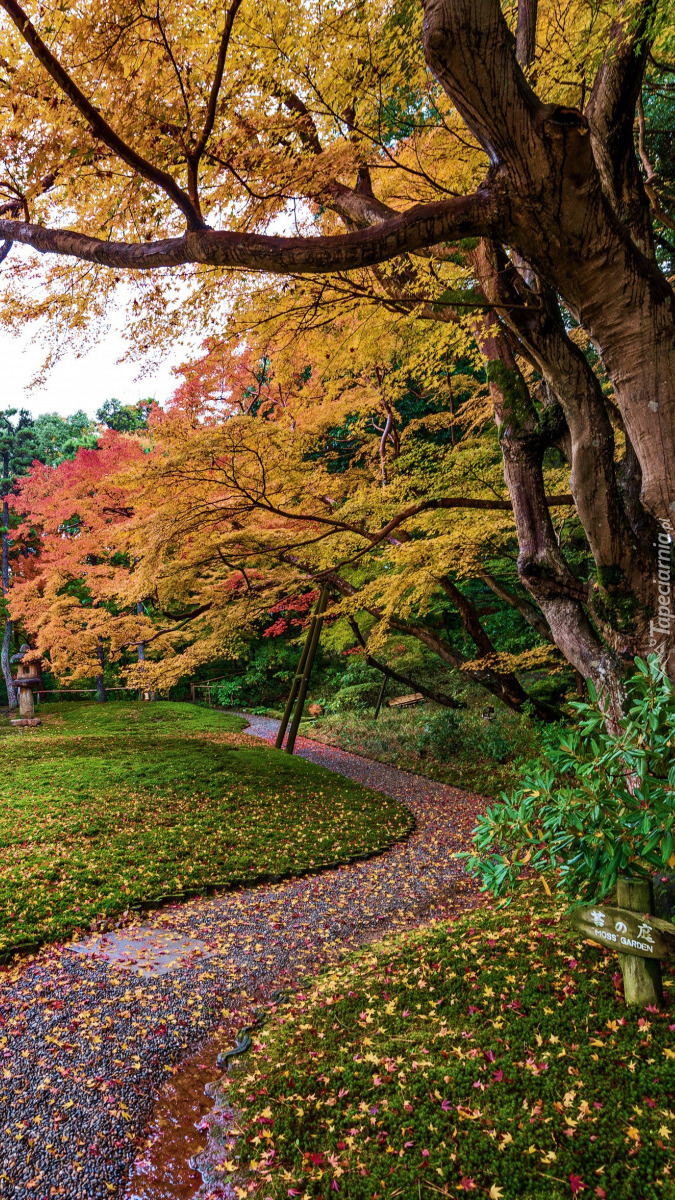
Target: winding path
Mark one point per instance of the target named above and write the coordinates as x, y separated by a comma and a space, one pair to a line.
87, 1041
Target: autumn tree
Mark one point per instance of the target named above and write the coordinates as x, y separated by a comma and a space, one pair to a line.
258, 483
71, 586
488, 163
17, 447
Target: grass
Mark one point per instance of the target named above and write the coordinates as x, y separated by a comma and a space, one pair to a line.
495, 1057
476, 755
106, 806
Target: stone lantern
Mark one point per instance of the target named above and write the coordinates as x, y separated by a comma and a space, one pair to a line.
27, 678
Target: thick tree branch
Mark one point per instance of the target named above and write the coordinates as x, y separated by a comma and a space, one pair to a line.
611, 117
216, 85
540, 328
526, 32
527, 610
476, 215
99, 126
469, 48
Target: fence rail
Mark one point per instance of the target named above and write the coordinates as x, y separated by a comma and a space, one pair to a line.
205, 687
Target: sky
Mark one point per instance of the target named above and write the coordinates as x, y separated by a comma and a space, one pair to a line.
80, 383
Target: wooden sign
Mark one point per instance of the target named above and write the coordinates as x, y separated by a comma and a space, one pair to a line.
625, 931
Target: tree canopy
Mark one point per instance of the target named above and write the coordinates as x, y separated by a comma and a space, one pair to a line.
486, 183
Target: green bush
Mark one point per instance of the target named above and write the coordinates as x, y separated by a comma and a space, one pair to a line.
355, 698
441, 735
597, 804
456, 747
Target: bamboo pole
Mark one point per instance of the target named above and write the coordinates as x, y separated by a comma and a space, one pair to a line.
309, 663
380, 698
297, 678
296, 684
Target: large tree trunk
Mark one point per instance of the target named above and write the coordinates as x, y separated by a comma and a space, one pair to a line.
561, 221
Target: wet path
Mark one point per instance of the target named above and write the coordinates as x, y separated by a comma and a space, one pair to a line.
88, 1041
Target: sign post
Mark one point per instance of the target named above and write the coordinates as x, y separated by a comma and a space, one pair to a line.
640, 939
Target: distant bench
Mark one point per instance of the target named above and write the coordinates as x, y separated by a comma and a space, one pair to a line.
406, 701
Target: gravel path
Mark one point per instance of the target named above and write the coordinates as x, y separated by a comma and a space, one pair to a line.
88, 1042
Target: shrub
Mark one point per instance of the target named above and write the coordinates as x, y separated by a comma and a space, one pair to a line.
441, 735
596, 804
355, 697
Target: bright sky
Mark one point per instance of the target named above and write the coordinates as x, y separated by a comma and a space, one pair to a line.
80, 383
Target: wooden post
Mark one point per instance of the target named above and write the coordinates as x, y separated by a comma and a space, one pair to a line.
642, 983
380, 698
192, 692
309, 663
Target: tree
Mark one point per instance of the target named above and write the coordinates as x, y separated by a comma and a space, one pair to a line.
57, 438
249, 492
541, 198
50, 439
67, 583
124, 418
17, 446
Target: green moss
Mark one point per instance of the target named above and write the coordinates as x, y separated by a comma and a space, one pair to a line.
551, 424
105, 806
465, 298
497, 1054
517, 407
610, 576
613, 602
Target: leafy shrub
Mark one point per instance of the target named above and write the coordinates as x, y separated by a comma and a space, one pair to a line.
490, 742
456, 747
447, 733
231, 693
596, 804
441, 735
355, 698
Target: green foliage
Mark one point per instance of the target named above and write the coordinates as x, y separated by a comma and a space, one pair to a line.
48, 438
353, 686
447, 733
597, 804
457, 747
494, 1058
441, 735
106, 806
58, 438
125, 418
266, 677
17, 445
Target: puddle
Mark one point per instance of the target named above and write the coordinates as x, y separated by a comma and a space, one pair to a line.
188, 1125
162, 1171
146, 950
